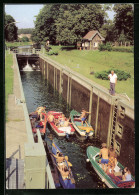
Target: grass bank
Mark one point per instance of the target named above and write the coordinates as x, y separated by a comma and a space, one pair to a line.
86, 61
8, 78
16, 44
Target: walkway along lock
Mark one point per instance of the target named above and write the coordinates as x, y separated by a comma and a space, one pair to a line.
80, 92
37, 174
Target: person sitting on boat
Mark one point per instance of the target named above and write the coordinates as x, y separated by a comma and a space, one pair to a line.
59, 157
64, 172
39, 110
126, 174
51, 118
61, 120
83, 116
40, 124
104, 153
112, 160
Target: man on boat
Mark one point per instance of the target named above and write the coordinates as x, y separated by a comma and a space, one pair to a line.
39, 110
64, 172
83, 116
104, 153
51, 118
112, 160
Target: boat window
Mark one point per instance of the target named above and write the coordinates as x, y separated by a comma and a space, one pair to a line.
118, 147
119, 131
122, 112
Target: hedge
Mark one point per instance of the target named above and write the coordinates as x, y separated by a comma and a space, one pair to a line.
123, 49
121, 75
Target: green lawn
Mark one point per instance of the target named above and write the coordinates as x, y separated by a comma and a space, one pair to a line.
16, 44
86, 61
8, 77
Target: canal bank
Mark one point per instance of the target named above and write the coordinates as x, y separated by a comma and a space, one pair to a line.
26, 164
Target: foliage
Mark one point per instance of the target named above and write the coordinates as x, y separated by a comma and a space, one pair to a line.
10, 29
25, 39
124, 20
25, 31
103, 47
123, 49
69, 24
16, 44
121, 75
52, 53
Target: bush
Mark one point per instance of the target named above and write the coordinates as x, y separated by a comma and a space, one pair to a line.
103, 47
121, 75
52, 53
123, 49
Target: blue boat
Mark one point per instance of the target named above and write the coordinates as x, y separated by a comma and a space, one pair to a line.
67, 183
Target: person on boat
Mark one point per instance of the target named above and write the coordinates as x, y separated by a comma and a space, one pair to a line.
41, 110
59, 157
83, 116
40, 124
126, 174
104, 153
51, 118
112, 160
61, 120
64, 172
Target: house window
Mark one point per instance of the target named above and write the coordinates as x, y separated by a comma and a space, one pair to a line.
119, 130
95, 44
118, 147
122, 112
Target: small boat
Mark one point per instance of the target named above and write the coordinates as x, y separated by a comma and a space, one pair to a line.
34, 123
111, 180
76, 121
67, 183
60, 131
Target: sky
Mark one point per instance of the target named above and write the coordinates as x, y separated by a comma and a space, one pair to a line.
25, 13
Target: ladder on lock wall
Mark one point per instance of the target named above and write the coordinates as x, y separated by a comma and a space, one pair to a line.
113, 127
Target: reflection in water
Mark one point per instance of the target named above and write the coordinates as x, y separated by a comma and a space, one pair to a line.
39, 93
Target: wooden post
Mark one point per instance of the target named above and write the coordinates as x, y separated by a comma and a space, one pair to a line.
68, 91
90, 45
60, 87
54, 78
44, 68
47, 72
90, 105
97, 115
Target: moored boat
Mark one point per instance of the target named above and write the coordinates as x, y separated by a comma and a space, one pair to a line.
76, 121
60, 131
68, 182
111, 180
41, 125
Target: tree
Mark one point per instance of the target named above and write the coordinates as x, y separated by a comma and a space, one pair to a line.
25, 39
124, 20
10, 29
69, 24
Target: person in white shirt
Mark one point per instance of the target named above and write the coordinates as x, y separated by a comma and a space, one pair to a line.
113, 81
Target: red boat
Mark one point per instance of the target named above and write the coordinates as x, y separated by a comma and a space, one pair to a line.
60, 131
41, 125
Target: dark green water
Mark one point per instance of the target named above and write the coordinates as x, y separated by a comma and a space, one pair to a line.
39, 93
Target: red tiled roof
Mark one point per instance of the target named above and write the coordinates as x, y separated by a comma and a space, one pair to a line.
91, 34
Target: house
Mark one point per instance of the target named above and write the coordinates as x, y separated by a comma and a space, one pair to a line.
91, 40
24, 35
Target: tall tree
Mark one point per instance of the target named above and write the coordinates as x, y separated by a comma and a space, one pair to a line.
67, 23
124, 20
10, 29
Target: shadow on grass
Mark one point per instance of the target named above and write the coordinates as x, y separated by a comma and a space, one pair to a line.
68, 48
